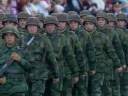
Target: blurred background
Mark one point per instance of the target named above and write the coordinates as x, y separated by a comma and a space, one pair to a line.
47, 7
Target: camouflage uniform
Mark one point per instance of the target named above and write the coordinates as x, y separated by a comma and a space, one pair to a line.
65, 58
123, 36
15, 84
106, 61
114, 38
39, 54
89, 57
77, 49
116, 81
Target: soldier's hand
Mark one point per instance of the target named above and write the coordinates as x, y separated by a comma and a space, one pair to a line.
2, 80
56, 80
15, 56
75, 80
120, 69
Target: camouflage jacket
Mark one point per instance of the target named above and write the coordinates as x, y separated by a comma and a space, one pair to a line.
114, 38
87, 47
78, 51
106, 57
39, 54
64, 54
15, 73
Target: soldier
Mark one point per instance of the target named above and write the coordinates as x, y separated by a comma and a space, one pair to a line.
122, 30
83, 14
77, 49
13, 82
22, 20
39, 54
105, 54
87, 47
114, 38
112, 25
68, 67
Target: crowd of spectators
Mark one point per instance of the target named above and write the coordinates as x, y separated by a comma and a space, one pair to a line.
47, 7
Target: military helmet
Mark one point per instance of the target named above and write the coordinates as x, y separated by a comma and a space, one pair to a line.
10, 29
51, 20
72, 12
62, 17
111, 17
74, 17
101, 14
33, 21
90, 18
23, 15
54, 14
122, 17
10, 18
84, 13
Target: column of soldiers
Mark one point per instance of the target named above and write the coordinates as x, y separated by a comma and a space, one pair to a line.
64, 54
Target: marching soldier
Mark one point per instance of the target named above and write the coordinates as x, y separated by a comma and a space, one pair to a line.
12, 82
39, 54
105, 54
68, 68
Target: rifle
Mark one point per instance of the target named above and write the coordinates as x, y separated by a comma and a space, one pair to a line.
10, 61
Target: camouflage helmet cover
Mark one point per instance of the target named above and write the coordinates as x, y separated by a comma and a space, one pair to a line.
10, 29
74, 17
23, 15
62, 17
51, 20
33, 21
90, 18
122, 17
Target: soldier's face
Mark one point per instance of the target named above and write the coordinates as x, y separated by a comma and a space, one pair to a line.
22, 23
32, 29
50, 28
89, 26
62, 25
101, 22
111, 24
10, 39
121, 23
73, 25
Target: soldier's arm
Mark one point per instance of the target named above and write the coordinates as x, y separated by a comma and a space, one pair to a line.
118, 48
51, 59
90, 51
79, 55
70, 58
108, 47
